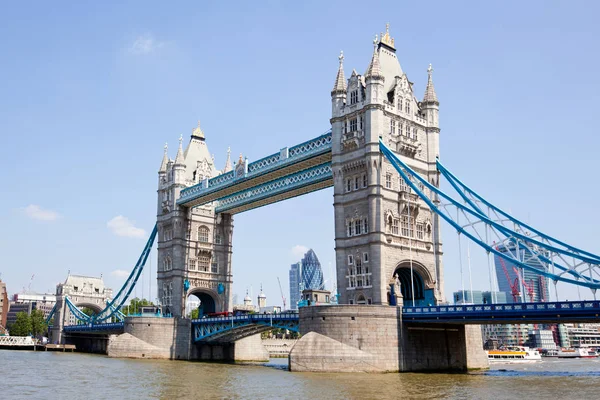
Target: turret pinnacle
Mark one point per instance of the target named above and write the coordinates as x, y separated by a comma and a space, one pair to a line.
165, 160
374, 69
228, 162
197, 132
430, 96
340, 80
179, 159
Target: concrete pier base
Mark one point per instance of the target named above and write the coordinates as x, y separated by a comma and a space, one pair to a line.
248, 349
148, 337
367, 338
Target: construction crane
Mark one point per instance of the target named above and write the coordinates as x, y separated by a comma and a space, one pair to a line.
529, 289
542, 288
514, 287
28, 290
281, 291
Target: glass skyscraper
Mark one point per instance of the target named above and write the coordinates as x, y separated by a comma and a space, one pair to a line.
312, 275
306, 274
534, 287
295, 275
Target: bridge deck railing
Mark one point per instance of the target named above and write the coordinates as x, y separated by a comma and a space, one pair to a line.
247, 317
95, 328
259, 167
510, 307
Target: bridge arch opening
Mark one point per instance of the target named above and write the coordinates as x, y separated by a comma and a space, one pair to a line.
203, 301
421, 284
96, 308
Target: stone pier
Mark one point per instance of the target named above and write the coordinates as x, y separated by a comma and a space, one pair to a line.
171, 338
368, 338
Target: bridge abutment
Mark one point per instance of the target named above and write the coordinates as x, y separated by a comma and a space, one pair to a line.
368, 338
248, 349
150, 337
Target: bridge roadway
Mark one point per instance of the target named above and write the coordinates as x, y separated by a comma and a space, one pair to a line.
230, 329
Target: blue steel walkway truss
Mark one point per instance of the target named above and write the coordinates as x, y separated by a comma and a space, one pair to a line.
289, 173
230, 329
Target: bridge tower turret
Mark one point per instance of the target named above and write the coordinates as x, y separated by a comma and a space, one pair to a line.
194, 244
384, 233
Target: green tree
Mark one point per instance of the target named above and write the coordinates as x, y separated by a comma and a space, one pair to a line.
134, 306
22, 325
195, 313
88, 311
38, 323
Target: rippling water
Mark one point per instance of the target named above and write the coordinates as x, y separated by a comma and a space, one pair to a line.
41, 375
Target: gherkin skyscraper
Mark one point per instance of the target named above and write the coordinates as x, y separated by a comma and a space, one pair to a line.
312, 275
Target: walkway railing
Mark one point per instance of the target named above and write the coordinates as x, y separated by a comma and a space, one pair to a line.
205, 328
287, 156
501, 313
113, 326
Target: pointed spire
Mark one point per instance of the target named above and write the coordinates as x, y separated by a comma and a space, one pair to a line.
374, 69
197, 132
179, 158
228, 162
340, 79
430, 95
165, 160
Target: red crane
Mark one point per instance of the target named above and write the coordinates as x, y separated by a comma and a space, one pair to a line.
528, 288
514, 287
542, 288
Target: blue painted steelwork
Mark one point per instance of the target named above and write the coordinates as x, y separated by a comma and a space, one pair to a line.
113, 306
112, 327
205, 328
309, 176
77, 313
407, 173
465, 189
527, 313
51, 315
311, 148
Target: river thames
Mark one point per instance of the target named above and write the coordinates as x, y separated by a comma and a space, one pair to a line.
41, 375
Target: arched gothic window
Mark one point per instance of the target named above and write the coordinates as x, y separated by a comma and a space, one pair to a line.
203, 234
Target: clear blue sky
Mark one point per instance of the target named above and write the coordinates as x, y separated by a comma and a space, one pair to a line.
89, 93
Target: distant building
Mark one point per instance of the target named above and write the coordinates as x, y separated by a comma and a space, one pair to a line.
262, 299
306, 274
295, 279
579, 335
479, 297
534, 287
542, 339
27, 302
312, 274
4, 304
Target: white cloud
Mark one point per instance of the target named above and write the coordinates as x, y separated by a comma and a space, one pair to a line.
145, 44
299, 250
122, 226
36, 212
120, 273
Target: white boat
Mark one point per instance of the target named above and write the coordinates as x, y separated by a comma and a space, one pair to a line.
514, 354
576, 353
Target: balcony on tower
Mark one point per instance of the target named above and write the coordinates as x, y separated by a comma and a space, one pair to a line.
408, 146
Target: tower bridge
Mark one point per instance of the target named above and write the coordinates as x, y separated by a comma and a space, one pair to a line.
381, 156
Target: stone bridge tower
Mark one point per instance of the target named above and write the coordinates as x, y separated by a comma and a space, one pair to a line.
383, 229
194, 244
84, 292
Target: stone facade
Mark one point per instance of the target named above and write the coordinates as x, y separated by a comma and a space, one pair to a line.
362, 338
83, 291
382, 228
194, 244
